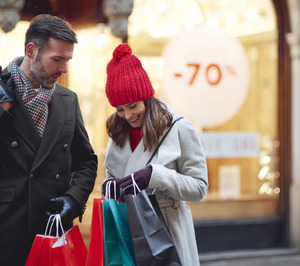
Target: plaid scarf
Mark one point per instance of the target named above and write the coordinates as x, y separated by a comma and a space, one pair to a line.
35, 102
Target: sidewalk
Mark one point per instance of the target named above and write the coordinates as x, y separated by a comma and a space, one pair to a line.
274, 257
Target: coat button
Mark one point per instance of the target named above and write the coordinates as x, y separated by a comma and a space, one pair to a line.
31, 176
66, 146
57, 177
14, 144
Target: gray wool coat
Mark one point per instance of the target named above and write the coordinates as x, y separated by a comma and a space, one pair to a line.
179, 174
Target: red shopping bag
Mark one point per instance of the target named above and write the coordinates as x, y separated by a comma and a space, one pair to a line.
66, 250
71, 253
40, 251
95, 255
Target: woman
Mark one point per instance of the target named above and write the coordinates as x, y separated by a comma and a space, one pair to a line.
177, 172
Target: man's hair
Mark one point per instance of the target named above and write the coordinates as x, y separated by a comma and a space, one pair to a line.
44, 26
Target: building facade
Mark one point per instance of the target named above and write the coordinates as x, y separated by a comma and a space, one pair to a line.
253, 152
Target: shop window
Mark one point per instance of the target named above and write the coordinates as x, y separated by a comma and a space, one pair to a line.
242, 185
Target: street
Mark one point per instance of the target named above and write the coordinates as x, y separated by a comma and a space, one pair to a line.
274, 257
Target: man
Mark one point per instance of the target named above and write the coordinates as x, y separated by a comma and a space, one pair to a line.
47, 164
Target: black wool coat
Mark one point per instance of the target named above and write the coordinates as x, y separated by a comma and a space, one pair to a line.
33, 170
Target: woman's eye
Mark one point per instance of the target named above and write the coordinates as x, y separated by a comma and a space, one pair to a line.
132, 106
119, 110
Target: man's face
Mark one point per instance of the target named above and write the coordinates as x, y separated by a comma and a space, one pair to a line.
50, 63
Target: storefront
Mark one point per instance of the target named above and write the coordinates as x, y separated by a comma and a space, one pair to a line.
236, 91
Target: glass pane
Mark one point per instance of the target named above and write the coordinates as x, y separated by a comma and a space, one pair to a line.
240, 186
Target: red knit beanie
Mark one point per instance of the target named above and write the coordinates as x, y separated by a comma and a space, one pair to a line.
127, 81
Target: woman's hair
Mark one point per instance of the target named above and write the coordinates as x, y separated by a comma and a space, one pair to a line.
157, 118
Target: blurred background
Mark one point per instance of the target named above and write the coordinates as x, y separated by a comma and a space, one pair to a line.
231, 67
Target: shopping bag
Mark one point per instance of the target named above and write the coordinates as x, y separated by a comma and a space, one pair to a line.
35, 252
153, 244
40, 251
118, 246
65, 250
95, 255
72, 252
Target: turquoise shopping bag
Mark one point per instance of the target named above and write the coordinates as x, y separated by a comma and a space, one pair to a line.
118, 246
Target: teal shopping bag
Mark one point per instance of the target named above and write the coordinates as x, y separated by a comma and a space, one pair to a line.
118, 246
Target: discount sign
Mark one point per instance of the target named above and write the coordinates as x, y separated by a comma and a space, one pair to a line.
206, 75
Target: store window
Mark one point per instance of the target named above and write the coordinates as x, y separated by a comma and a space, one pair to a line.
242, 151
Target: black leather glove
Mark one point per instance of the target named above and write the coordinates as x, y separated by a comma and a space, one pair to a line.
4, 75
141, 177
6, 94
112, 188
67, 207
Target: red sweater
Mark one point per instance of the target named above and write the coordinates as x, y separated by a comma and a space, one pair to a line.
136, 136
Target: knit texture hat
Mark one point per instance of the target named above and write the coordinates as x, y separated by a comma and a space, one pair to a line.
127, 81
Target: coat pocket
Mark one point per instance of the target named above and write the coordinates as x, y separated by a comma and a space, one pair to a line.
7, 194
68, 126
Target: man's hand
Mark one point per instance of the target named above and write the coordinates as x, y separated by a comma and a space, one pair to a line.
7, 105
6, 94
67, 207
5, 99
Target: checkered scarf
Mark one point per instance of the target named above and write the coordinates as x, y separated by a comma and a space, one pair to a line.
35, 102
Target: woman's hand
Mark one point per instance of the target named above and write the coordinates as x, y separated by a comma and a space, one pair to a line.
114, 188
141, 177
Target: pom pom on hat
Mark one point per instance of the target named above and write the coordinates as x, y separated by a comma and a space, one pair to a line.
122, 50
127, 81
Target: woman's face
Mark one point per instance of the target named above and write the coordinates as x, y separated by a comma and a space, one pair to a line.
133, 113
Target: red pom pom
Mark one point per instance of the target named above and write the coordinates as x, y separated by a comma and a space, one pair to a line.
121, 51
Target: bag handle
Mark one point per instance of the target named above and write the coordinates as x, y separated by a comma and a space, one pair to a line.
108, 190
51, 220
54, 218
161, 141
156, 149
134, 184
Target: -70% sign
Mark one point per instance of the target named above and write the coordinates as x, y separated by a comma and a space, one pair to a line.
213, 73
194, 64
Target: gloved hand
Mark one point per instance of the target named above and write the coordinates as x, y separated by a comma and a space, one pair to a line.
6, 94
112, 187
67, 207
141, 177
5, 75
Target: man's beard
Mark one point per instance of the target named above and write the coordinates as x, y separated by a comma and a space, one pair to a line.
39, 74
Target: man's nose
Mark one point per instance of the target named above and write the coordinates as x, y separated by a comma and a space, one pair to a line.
63, 68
